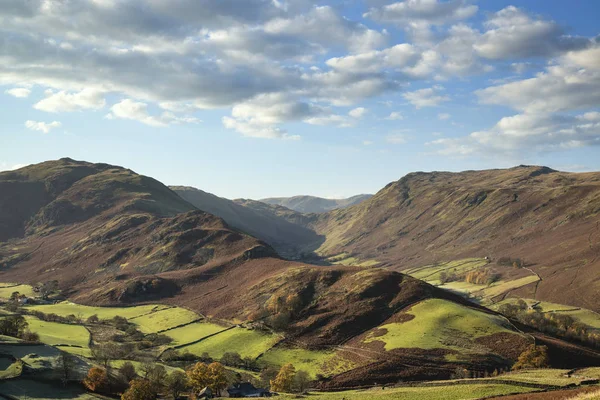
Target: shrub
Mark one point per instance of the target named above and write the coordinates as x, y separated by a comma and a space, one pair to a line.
127, 372
139, 389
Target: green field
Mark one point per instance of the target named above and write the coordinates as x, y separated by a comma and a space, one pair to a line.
431, 273
164, 319
439, 324
66, 308
53, 333
554, 377
587, 317
246, 342
192, 332
326, 363
441, 392
6, 289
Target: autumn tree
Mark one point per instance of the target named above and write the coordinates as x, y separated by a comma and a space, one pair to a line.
140, 389
198, 376
284, 381
533, 357
176, 384
213, 376
96, 379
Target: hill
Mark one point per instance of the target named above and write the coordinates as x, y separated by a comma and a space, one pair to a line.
548, 221
312, 204
282, 228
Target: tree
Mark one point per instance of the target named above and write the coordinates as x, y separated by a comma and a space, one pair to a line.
232, 359
13, 325
533, 357
267, 375
176, 384
47, 288
198, 376
29, 336
157, 376
127, 371
218, 377
301, 381
66, 364
96, 379
139, 389
284, 381
93, 319
104, 353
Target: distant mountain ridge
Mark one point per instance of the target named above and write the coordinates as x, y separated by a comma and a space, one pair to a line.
313, 204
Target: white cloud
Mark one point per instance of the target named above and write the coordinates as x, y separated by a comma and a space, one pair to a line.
395, 116
396, 138
525, 133
511, 33
253, 129
18, 92
423, 11
429, 97
138, 111
367, 142
574, 83
87, 99
44, 127
444, 116
358, 112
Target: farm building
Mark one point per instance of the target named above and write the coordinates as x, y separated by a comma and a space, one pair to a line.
247, 389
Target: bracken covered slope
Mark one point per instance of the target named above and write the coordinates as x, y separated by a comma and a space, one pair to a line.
548, 218
282, 228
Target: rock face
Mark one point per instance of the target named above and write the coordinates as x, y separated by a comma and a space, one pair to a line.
312, 204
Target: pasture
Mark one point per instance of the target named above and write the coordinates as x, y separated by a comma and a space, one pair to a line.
438, 324
246, 342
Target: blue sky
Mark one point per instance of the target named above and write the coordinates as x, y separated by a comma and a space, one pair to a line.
259, 98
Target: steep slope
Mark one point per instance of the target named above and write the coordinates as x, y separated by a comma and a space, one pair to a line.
280, 227
312, 204
549, 219
79, 222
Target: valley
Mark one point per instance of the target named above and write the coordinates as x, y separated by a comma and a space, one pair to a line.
435, 278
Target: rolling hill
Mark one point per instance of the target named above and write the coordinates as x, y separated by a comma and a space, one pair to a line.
312, 204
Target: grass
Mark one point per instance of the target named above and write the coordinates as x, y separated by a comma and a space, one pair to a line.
6, 289
66, 308
29, 389
587, 396
192, 332
442, 392
556, 377
9, 369
246, 342
164, 319
504, 287
313, 362
53, 333
439, 324
431, 273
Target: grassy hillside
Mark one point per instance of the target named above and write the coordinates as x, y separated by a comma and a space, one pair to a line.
544, 217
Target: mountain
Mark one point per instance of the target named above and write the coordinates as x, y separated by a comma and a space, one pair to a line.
311, 204
548, 219
109, 236
282, 228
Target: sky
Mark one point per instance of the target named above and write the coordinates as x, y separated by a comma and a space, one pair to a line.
262, 98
